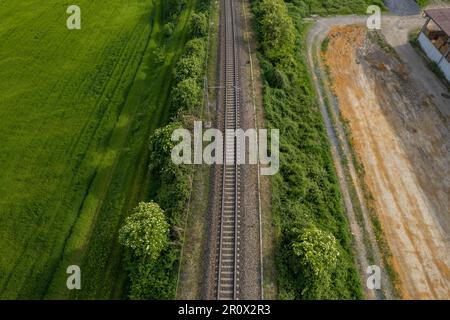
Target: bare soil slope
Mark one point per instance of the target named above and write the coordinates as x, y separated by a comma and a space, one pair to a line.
403, 142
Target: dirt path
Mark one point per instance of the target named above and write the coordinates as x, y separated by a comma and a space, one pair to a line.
399, 121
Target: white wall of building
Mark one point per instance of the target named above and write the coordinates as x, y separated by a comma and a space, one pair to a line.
434, 54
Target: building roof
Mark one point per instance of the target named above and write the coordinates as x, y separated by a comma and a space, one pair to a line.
441, 17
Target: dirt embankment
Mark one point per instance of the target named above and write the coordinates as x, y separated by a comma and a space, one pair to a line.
403, 143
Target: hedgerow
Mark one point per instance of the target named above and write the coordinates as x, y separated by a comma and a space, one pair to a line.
171, 184
306, 199
330, 7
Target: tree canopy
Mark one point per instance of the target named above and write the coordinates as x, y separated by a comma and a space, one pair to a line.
318, 254
187, 95
277, 30
199, 25
146, 231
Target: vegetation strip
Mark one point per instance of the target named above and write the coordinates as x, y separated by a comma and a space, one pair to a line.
154, 275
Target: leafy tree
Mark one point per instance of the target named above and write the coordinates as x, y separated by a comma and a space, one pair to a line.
173, 180
161, 146
151, 281
189, 67
199, 25
318, 254
277, 30
145, 232
187, 95
195, 47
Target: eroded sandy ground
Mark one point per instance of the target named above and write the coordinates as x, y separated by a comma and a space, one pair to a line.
403, 142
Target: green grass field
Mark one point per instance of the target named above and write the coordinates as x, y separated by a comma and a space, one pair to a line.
76, 110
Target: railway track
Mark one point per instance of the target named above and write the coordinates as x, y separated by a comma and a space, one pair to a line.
228, 253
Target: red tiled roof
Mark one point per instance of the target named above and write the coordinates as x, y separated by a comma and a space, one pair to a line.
441, 17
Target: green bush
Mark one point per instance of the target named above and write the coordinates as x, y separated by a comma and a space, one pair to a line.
154, 281
189, 67
187, 95
173, 180
278, 79
196, 47
276, 30
144, 235
145, 231
199, 25
318, 254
